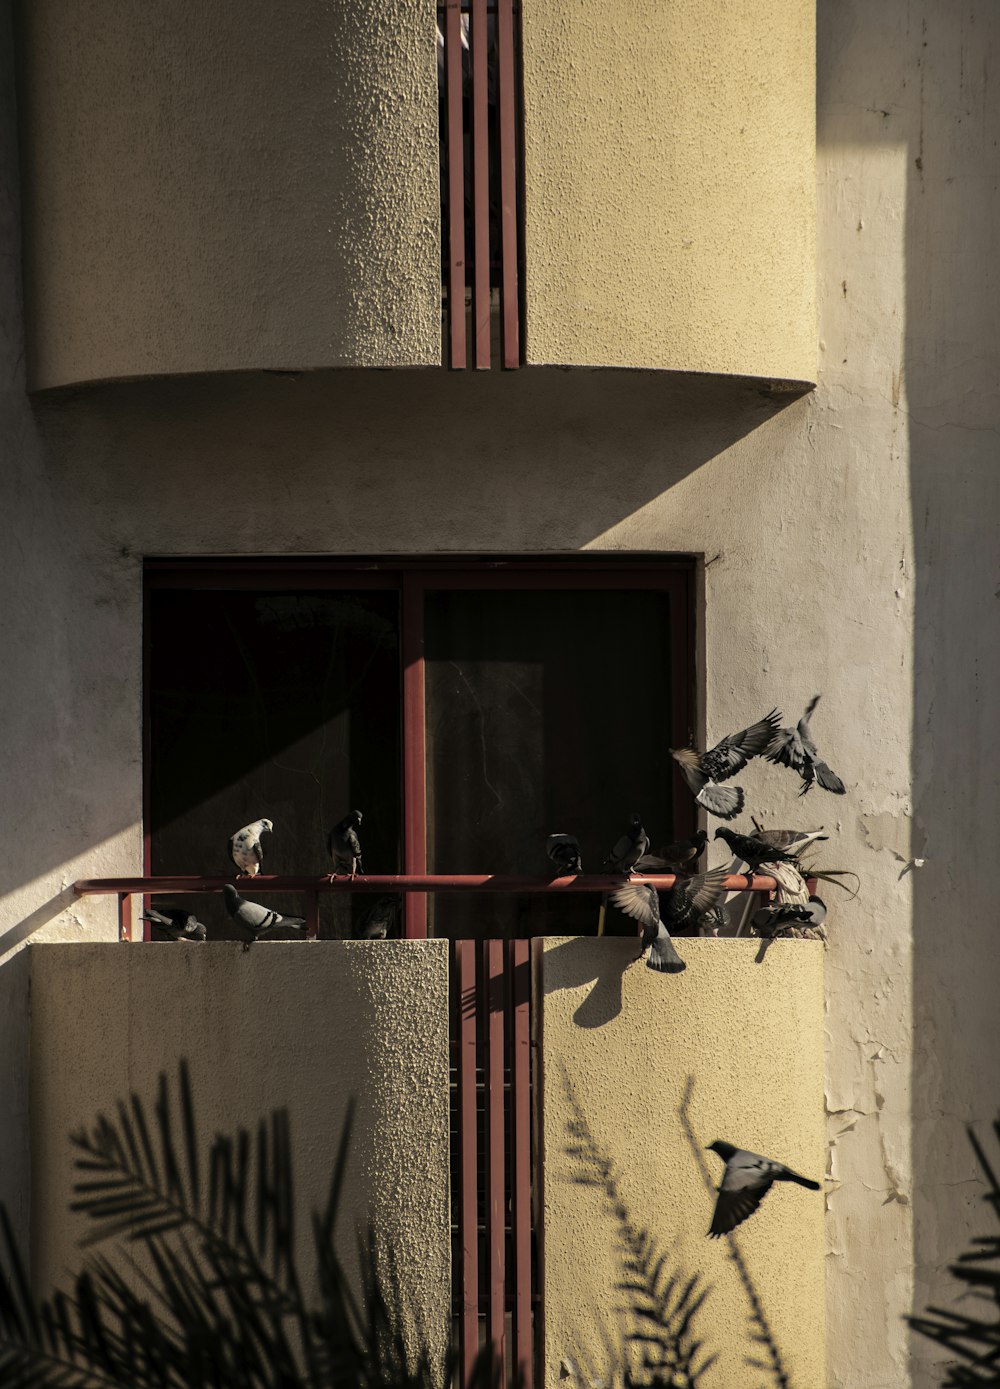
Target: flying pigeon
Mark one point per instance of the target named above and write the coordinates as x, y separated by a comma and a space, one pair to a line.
682, 908
629, 849
745, 1182
244, 847
753, 851
791, 919
258, 920
344, 846
381, 920
794, 747
175, 922
564, 851
681, 854
702, 770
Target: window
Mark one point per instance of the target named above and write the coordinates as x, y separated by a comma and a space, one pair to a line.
467, 710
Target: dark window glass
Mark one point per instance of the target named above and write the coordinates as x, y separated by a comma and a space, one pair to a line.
280, 705
546, 710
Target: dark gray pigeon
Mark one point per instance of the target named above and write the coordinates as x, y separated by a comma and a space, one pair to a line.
703, 770
675, 857
257, 920
380, 922
344, 846
564, 851
681, 910
244, 847
793, 840
175, 922
752, 849
801, 922
794, 747
629, 849
745, 1182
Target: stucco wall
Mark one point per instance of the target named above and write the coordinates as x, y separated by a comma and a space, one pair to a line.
228, 186
669, 203
849, 547
304, 1027
620, 1045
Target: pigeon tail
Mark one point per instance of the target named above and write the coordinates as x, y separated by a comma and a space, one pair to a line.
789, 1176
726, 802
829, 780
663, 957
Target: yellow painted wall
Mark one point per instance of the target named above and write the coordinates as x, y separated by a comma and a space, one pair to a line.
302, 1026
670, 164
624, 1041
224, 186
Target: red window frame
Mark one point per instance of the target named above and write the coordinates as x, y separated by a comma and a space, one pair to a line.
413, 579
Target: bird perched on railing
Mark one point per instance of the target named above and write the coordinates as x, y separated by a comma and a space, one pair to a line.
258, 920
794, 747
245, 847
175, 922
791, 840
680, 909
745, 1182
753, 850
676, 857
704, 770
564, 851
344, 846
628, 849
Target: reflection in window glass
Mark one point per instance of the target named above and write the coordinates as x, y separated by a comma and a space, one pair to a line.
546, 710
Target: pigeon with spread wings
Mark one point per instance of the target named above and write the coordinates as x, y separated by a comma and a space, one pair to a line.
745, 1182
794, 747
704, 770
680, 909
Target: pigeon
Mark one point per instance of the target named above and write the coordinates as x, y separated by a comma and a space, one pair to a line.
381, 920
629, 849
344, 846
753, 851
681, 854
175, 922
702, 770
794, 747
682, 908
745, 1182
258, 920
715, 921
244, 847
796, 840
800, 922
564, 851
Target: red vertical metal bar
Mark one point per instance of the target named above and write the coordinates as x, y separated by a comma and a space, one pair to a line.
479, 55
147, 744
507, 85
124, 916
496, 1245
519, 995
468, 1204
414, 751
312, 915
455, 156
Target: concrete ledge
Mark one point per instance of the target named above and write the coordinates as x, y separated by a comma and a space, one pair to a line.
624, 1044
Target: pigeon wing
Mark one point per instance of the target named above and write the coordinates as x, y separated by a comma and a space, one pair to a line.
639, 901
157, 918
253, 915
725, 802
696, 896
733, 753
829, 780
733, 1207
689, 761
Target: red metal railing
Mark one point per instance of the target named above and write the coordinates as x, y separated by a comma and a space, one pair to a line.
480, 153
496, 1184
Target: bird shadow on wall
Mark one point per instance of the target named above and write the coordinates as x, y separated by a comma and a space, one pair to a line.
575, 963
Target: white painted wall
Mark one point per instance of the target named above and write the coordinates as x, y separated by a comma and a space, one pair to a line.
850, 544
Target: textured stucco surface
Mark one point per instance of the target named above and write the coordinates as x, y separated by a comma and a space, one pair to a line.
623, 1041
306, 1027
228, 186
670, 202
849, 547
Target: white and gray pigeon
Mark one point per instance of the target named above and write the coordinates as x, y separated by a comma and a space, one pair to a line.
629, 848
745, 1182
564, 851
682, 908
175, 922
795, 841
255, 919
794, 747
245, 848
344, 846
704, 770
